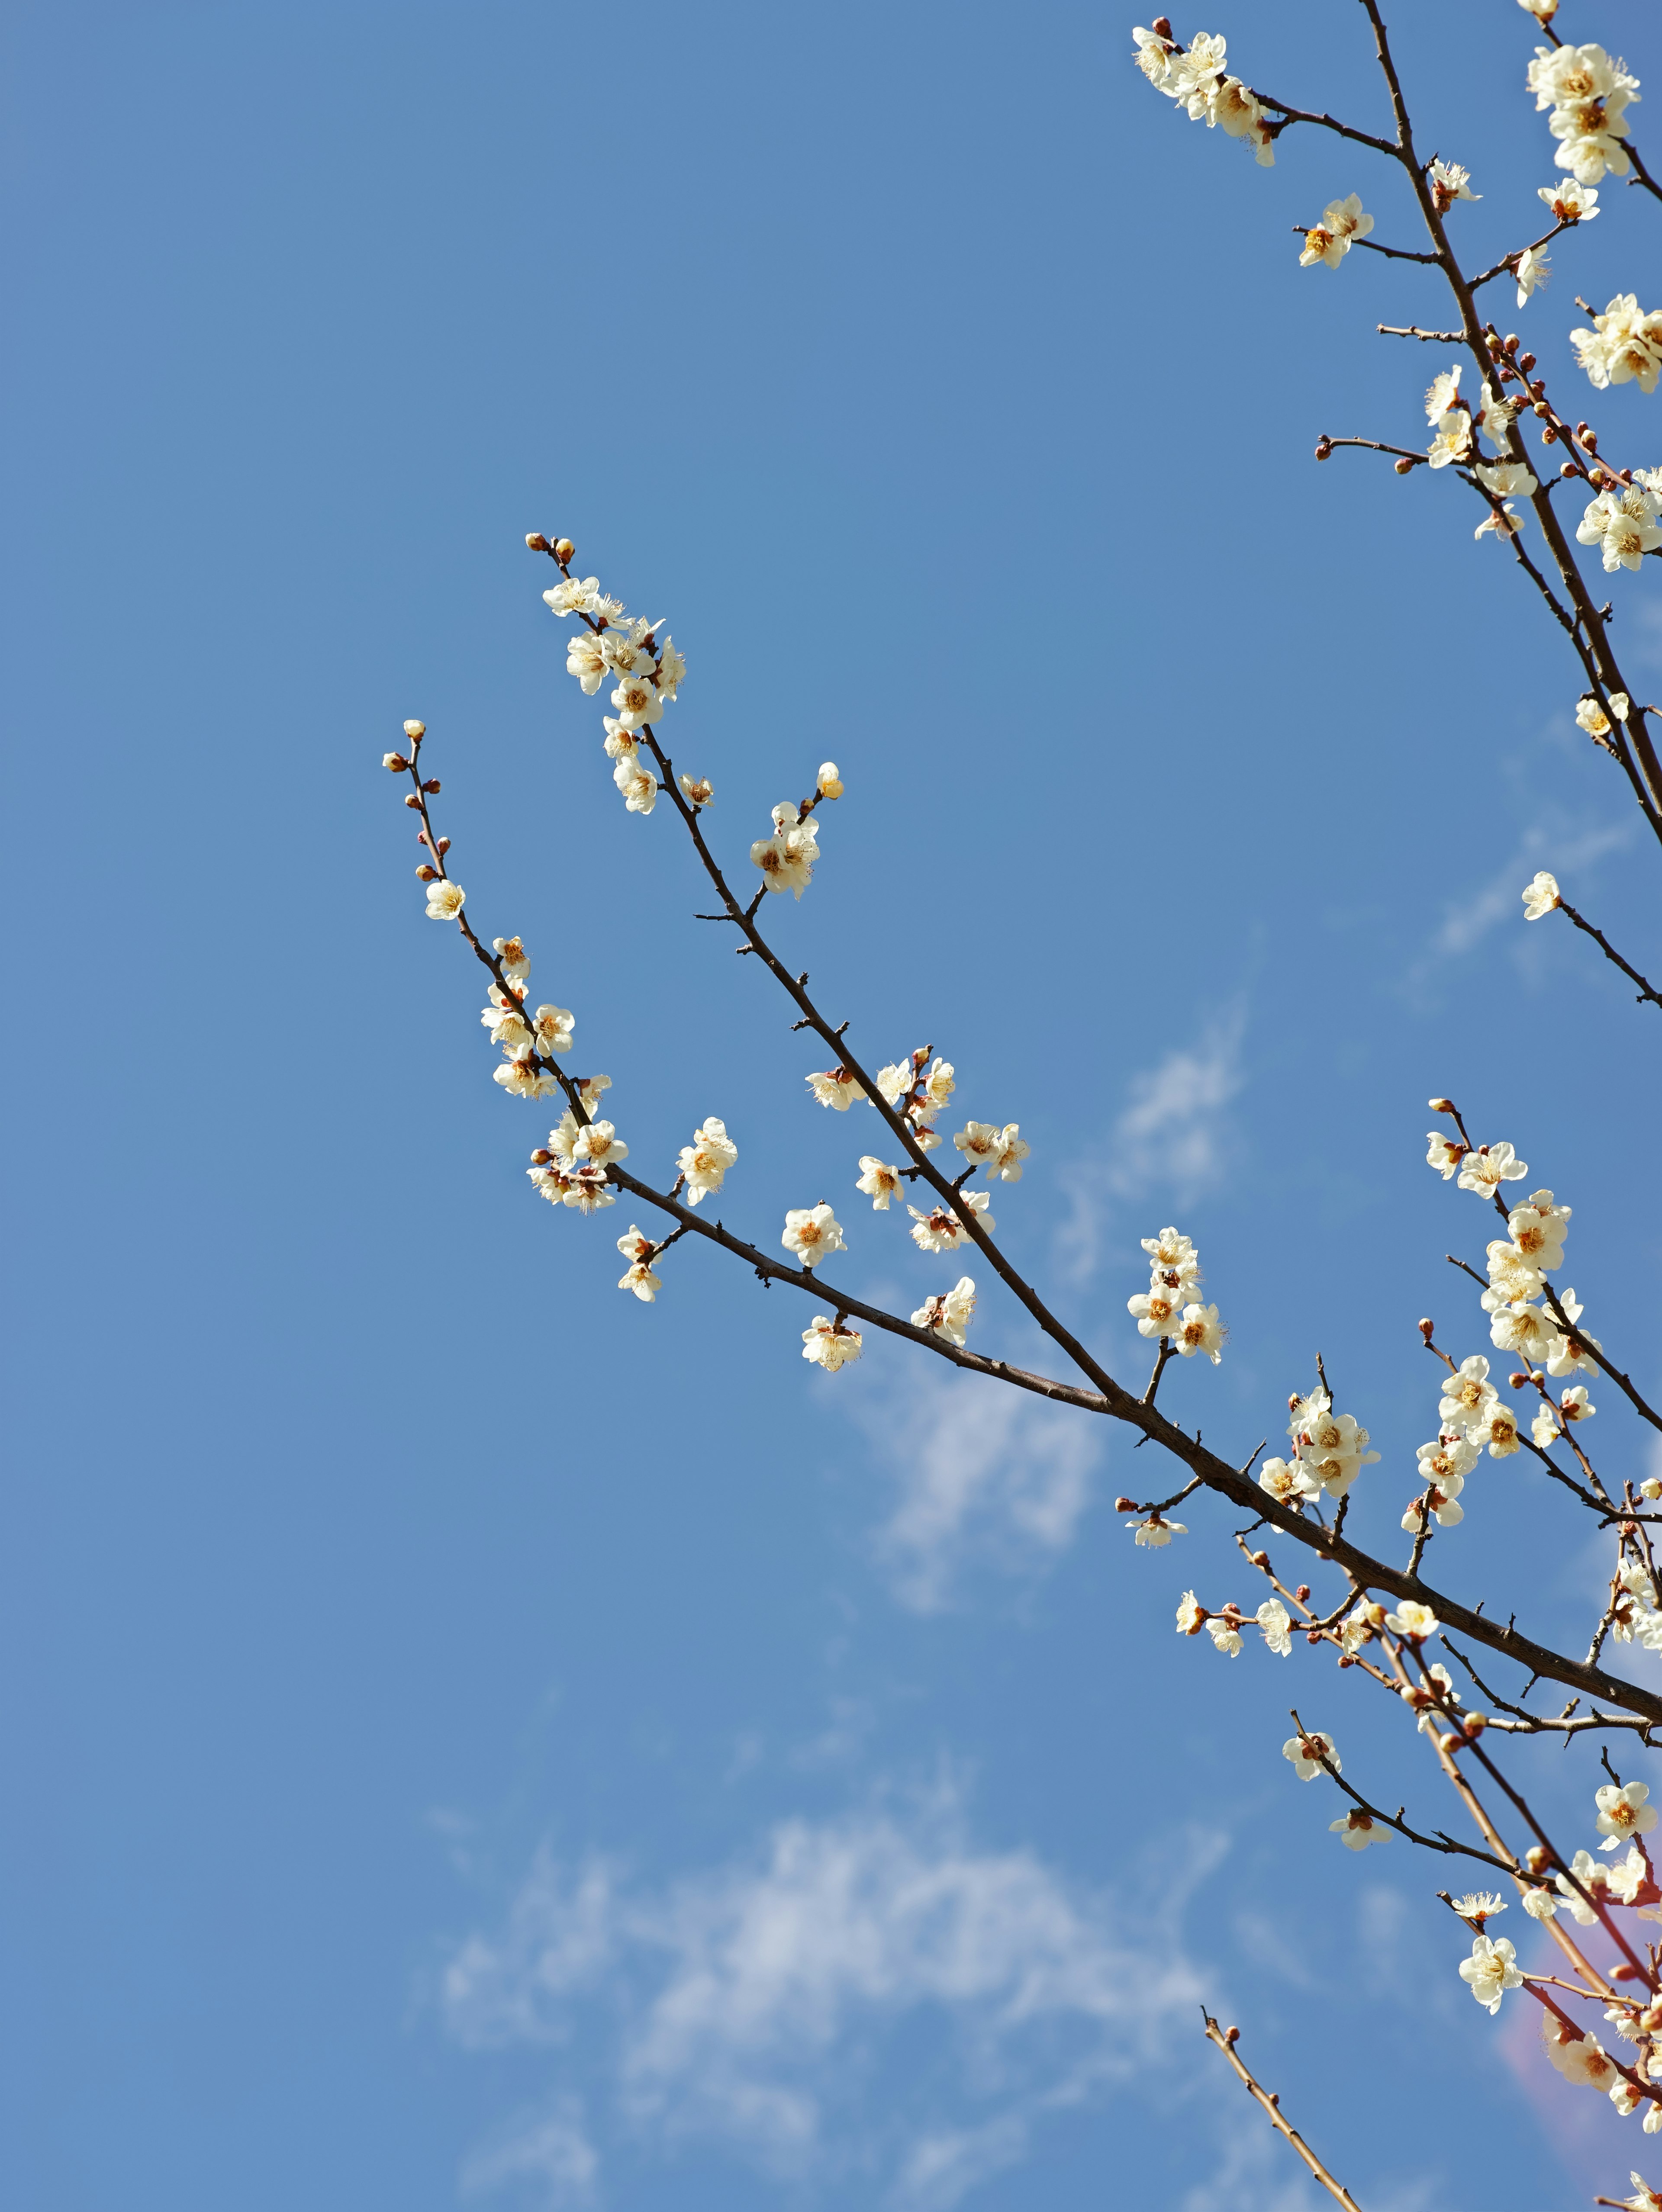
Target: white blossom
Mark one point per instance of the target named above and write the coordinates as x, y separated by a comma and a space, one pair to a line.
1591, 1874
811, 1232
1534, 269
638, 785
829, 782
505, 1019
1001, 1152
948, 1316
1490, 1971
1591, 717
1442, 393
1571, 1356
1570, 201
1191, 1615
1540, 1904
1307, 1751
599, 1144
521, 1078
941, 1228
1440, 1501
1328, 240
1624, 1811
1276, 1623
787, 858
553, 1027
698, 791
830, 1344
1225, 1638
1156, 1531
1468, 1395
836, 1088
585, 659
638, 1277
1622, 345
1443, 1154
1288, 1484
1477, 1907
1490, 1165
1452, 442
1538, 1228
512, 957
1412, 1619
574, 595
1356, 1830
705, 1161
878, 1182
1506, 479
1449, 182
1623, 524
1540, 895
445, 900
1199, 1329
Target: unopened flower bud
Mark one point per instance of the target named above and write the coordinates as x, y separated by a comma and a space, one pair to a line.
536, 543
1518, 1378
1302, 1592
830, 783
444, 844
541, 1157
1427, 1328
1261, 1558
428, 875
1161, 28
1526, 361
1589, 438
1375, 1614
396, 762
1404, 467
1474, 1725
1230, 2034
1440, 1105
564, 549
1412, 1693
1324, 449
1126, 1506
432, 784
1537, 1858
411, 801
1449, 1744
1650, 1488
415, 731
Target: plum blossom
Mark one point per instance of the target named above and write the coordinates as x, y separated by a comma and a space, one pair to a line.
553, 1027
1156, 1531
1588, 1874
1534, 269
1288, 1484
787, 858
704, 1164
1491, 1971
639, 1251
942, 1229
1624, 1811
1412, 1619
638, 785
1540, 895
1356, 1830
1276, 1623
1307, 1753
585, 658
511, 958
878, 1182
445, 900
1570, 201
1468, 1394
1589, 95
1225, 1637
836, 1088
1157, 1312
1449, 182
810, 1232
1538, 1228
1001, 1152
832, 1345
1622, 523
520, 1076
1490, 1165
599, 1144
948, 1316
1623, 345
1199, 1329
1328, 240
1443, 1154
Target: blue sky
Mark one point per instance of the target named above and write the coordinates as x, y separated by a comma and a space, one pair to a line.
472, 1739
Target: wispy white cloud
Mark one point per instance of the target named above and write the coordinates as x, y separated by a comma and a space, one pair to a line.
753, 2004
1172, 1141
1467, 921
544, 2157
982, 1472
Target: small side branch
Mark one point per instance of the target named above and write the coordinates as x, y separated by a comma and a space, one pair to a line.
1227, 2039
1413, 331
1610, 953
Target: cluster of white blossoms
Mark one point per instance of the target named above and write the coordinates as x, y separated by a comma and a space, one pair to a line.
646, 671
1170, 1309
705, 1163
1589, 95
787, 858
1196, 78
1456, 424
1624, 343
1330, 1450
919, 1088
1328, 240
831, 1344
570, 1169
1225, 1627
1623, 520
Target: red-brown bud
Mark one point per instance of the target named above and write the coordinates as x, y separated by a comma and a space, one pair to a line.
1231, 2035
1324, 449
536, 543
1427, 1328
395, 761
1161, 28
1518, 1378
1537, 1858
541, 1157
1126, 1506
1301, 1592
415, 731
1404, 467
1260, 1559
432, 784
428, 875
1441, 1105
1526, 361
564, 550
444, 844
